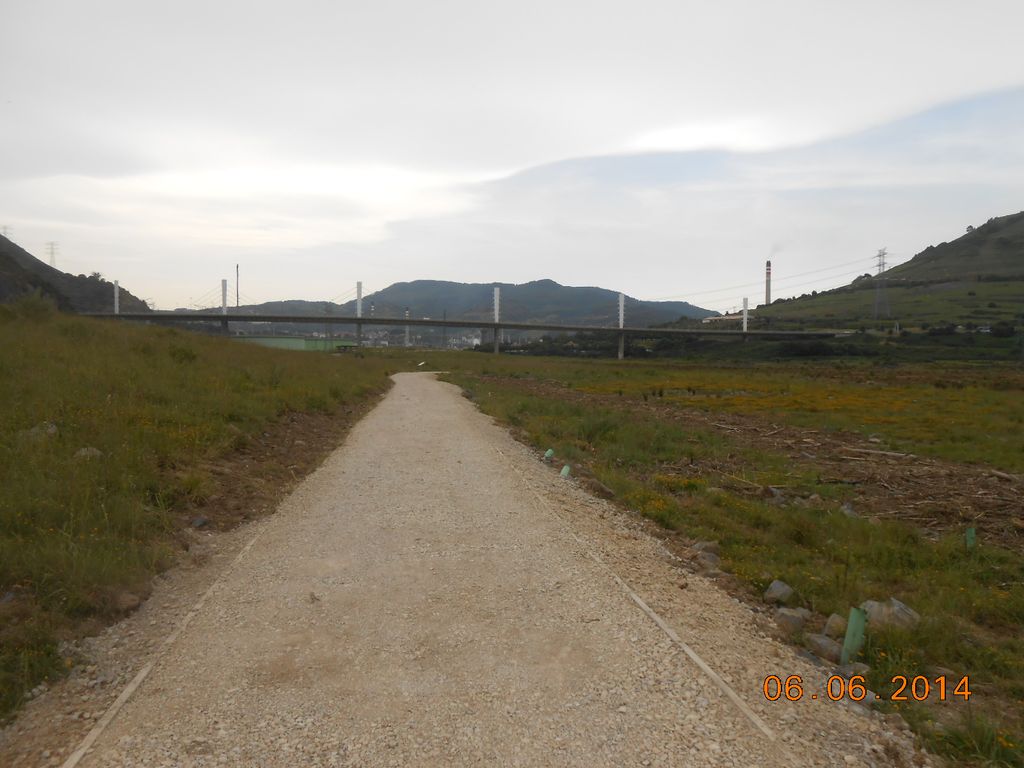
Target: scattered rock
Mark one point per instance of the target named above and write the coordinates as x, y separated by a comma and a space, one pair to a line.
40, 432
598, 488
835, 626
875, 612
88, 453
708, 561
126, 602
707, 546
847, 509
200, 522
902, 615
8, 597
890, 614
790, 620
824, 646
778, 592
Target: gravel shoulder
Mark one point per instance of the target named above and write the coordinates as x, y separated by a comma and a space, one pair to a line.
434, 595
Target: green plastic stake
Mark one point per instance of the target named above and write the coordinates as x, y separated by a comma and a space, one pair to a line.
549, 454
854, 635
565, 471
971, 538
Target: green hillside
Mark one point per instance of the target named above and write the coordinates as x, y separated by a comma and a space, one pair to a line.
976, 280
994, 250
21, 274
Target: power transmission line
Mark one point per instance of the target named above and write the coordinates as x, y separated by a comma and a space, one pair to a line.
775, 282
881, 299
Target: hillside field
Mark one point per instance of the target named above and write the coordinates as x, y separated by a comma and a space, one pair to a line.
919, 306
975, 280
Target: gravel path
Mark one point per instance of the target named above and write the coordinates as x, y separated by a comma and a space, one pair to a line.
433, 595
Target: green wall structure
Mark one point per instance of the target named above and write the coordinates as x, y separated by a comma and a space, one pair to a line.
299, 343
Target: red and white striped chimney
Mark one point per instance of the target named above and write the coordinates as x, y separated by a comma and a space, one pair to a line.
768, 282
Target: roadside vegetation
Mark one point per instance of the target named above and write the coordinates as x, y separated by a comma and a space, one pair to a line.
105, 435
614, 421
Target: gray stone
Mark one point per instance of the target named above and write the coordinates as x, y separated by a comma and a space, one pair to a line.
847, 509
40, 432
598, 488
890, 614
707, 546
709, 561
790, 620
835, 626
902, 615
824, 646
88, 453
778, 592
199, 521
876, 612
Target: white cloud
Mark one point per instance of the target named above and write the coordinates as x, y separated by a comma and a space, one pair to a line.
162, 141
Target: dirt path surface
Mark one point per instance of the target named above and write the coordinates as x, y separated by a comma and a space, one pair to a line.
434, 595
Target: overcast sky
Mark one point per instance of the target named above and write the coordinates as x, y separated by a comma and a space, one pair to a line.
661, 148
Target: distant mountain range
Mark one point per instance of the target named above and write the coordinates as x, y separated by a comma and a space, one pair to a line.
541, 301
977, 279
21, 273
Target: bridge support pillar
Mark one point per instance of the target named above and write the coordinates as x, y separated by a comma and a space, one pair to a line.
497, 339
622, 345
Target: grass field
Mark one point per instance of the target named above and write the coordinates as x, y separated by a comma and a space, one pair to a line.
157, 404
971, 601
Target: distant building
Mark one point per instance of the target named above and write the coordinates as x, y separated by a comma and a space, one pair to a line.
720, 318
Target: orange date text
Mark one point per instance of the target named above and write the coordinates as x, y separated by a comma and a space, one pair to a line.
839, 688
